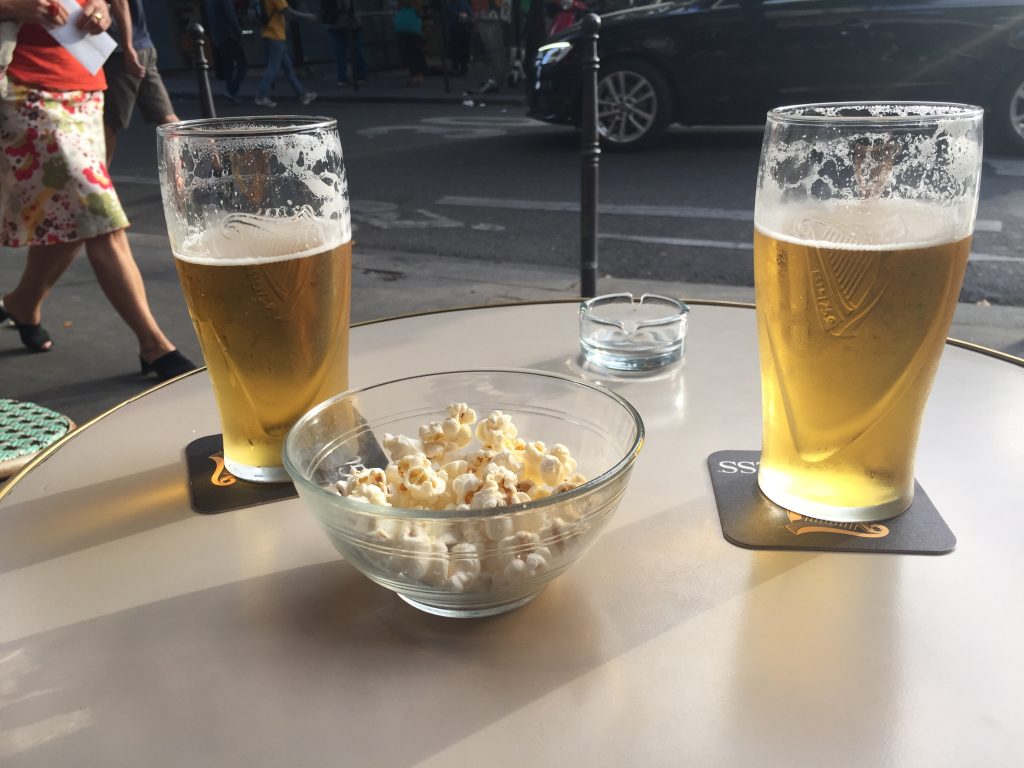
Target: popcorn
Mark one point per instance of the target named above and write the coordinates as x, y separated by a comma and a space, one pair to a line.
421, 556
399, 446
477, 461
512, 460
496, 431
440, 469
520, 556
488, 496
498, 528
465, 487
414, 482
366, 484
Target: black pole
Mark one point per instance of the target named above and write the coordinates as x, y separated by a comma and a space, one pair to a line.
590, 151
202, 70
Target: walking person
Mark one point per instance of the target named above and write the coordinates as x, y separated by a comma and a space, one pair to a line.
132, 76
346, 30
409, 29
490, 34
55, 192
275, 37
226, 35
458, 21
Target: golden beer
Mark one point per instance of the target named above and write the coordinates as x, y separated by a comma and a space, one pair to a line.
853, 307
274, 333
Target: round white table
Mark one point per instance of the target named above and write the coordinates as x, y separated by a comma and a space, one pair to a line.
136, 632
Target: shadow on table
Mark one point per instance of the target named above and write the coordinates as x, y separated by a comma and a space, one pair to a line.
295, 651
86, 517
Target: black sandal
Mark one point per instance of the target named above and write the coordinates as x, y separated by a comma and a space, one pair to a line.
34, 337
168, 365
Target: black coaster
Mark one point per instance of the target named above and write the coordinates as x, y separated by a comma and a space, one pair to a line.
213, 489
751, 520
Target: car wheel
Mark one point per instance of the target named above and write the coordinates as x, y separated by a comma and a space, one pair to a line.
1008, 113
633, 104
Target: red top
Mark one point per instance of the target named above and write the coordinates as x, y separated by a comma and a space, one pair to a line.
41, 61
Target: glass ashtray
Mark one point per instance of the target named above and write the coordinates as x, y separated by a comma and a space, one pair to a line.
621, 332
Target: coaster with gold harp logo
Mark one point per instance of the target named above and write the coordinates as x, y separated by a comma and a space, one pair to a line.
213, 489
750, 520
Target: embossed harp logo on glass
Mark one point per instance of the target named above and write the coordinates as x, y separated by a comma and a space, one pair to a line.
846, 279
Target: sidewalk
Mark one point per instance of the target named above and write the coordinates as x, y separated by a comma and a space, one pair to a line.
389, 86
94, 365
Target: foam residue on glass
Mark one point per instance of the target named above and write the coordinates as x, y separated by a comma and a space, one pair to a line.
249, 191
914, 166
622, 332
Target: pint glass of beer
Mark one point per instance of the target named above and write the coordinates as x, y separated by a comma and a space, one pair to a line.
863, 224
258, 217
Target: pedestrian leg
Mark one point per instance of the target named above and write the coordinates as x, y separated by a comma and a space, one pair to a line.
289, 72
44, 265
236, 67
276, 51
111, 259
340, 37
359, 56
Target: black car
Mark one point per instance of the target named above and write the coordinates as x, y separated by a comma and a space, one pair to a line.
726, 62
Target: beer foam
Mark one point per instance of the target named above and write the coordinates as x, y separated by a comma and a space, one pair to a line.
246, 193
870, 171
887, 224
247, 239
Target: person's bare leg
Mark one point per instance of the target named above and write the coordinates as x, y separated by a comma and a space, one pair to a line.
44, 264
111, 258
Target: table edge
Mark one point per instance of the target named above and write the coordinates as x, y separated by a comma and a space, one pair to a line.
43, 455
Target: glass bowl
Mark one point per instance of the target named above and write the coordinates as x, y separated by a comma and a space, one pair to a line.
460, 562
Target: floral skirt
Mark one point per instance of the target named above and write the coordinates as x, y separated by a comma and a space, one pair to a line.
54, 185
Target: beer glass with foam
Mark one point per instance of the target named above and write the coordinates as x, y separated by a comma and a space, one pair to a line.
862, 229
258, 218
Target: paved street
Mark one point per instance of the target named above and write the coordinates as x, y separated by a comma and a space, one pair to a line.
457, 205
486, 183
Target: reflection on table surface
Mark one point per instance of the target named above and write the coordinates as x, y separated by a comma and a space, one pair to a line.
134, 627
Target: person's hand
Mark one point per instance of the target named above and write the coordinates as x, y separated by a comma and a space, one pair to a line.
95, 17
132, 65
49, 13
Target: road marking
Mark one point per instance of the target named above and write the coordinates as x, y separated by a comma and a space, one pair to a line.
661, 211
680, 241
460, 127
683, 212
388, 216
1005, 166
993, 257
484, 121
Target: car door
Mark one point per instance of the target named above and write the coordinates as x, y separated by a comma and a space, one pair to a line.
820, 50
719, 63
940, 50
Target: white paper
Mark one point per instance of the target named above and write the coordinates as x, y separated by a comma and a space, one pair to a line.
90, 50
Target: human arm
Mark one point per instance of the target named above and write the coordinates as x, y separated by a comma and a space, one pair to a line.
281, 6
95, 17
42, 12
291, 13
122, 15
